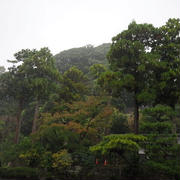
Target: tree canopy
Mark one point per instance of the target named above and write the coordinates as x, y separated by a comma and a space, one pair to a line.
105, 112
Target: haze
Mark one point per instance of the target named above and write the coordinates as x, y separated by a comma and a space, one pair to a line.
64, 24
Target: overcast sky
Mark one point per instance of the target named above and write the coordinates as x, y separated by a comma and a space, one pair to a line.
64, 24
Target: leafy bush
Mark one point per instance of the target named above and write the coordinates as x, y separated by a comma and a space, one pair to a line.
62, 160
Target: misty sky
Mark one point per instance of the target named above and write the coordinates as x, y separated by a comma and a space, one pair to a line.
64, 24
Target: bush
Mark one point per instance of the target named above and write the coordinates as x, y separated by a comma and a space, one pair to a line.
19, 172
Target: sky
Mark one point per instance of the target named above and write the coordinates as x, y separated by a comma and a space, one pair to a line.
65, 24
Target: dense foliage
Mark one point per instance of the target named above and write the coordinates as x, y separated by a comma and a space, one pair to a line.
106, 112
82, 57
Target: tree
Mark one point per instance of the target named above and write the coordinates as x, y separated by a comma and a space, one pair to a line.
121, 151
161, 149
39, 70
96, 70
90, 118
128, 59
55, 136
118, 143
15, 86
166, 70
74, 85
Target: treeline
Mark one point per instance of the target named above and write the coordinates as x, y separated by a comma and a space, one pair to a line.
106, 112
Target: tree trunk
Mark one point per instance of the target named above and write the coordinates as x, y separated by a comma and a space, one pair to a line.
36, 113
18, 123
174, 130
136, 117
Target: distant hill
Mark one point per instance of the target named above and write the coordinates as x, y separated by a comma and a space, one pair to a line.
82, 57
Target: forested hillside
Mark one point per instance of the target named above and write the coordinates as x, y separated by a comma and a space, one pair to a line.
105, 112
82, 57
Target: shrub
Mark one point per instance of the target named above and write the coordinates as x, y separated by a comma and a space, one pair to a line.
19, 172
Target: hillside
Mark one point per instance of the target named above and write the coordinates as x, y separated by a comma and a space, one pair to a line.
82, 57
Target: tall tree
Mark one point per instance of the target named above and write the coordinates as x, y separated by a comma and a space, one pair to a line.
167, 69
14, 85
128, 59
39, 69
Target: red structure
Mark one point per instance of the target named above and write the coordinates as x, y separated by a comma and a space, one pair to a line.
97, 161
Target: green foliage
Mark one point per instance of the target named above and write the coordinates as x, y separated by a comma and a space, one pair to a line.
38, 69
74, 85
19, 172
166, 70
129, 61
158, 113
55, 137
163, 158
121, 152
27, 118
46, 161
164, 169
78, 116
83, 158
25, 144
62, 160
119, 123
97, 69
82, 57
93, 114
156, 127
8, 152
118, 144
162, 148
157, 120
30, 152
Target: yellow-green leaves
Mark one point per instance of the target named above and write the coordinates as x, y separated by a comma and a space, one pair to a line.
61, 160
118, 143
